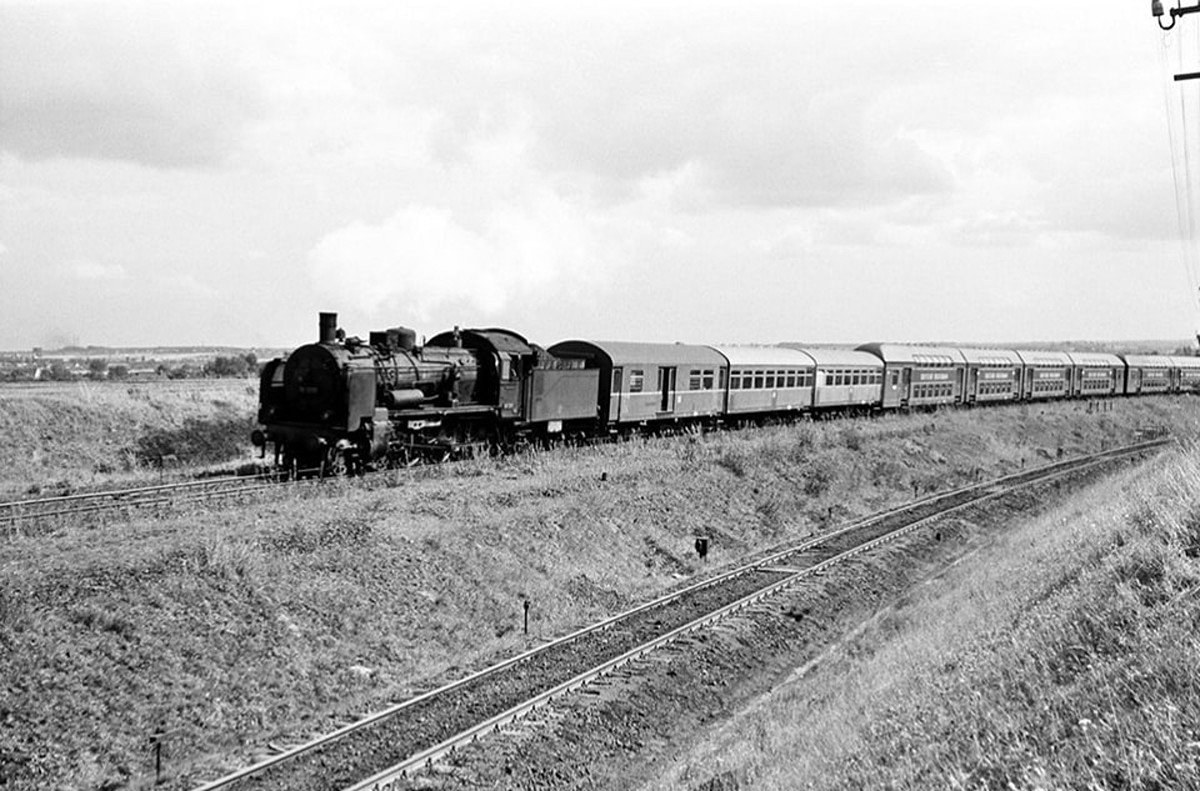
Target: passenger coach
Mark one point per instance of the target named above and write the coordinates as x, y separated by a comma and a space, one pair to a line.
767, 379
647, 383
1097, 375
992, 375
1148, 373
846, 379
919, 376
1047, 375
1187, 374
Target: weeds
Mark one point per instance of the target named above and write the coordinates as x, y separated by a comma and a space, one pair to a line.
414, 574
1065, 658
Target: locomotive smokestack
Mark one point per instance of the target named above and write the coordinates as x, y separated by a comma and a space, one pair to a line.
328, 328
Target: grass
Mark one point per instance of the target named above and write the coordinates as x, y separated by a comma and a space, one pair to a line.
1064, 656
238, 624
101, 433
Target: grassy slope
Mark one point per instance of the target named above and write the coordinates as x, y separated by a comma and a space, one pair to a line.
226, 626
63, 436
1063, 656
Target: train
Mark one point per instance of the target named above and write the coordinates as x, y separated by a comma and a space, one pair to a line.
344, 404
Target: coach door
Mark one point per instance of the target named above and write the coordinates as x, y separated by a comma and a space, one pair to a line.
666, 386
614, 401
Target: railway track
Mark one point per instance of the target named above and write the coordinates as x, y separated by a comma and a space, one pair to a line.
42, 509
36, 510
377, 751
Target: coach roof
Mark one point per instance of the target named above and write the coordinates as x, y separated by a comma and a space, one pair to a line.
626, 353
1096, 360
919, 355
1149, 361
843, 358
991, 357
1045, 359
778, 356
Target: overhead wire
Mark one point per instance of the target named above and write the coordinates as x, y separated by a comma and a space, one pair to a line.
1190, 140
1185, 197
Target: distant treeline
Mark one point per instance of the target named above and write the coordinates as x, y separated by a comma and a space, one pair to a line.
95, 368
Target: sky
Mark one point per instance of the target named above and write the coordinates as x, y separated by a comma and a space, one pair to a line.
750, 172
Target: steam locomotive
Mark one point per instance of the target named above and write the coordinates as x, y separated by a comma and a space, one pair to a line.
344, 404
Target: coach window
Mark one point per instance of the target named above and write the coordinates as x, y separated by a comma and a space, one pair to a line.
758, 380
637, 380
694, 379
770, 384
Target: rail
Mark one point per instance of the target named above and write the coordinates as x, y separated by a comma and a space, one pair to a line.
942, 503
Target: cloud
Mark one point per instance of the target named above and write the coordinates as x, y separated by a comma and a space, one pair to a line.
183, 285
91, 271
748, 113
1007, 229
136, 83
424, 258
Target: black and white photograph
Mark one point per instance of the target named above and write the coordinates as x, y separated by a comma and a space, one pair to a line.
599, 395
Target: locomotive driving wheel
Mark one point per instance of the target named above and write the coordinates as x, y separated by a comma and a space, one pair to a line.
339, 462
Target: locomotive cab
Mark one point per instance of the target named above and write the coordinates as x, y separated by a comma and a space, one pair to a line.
504, 359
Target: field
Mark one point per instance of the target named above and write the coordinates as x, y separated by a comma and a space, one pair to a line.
71, 435
229, 626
